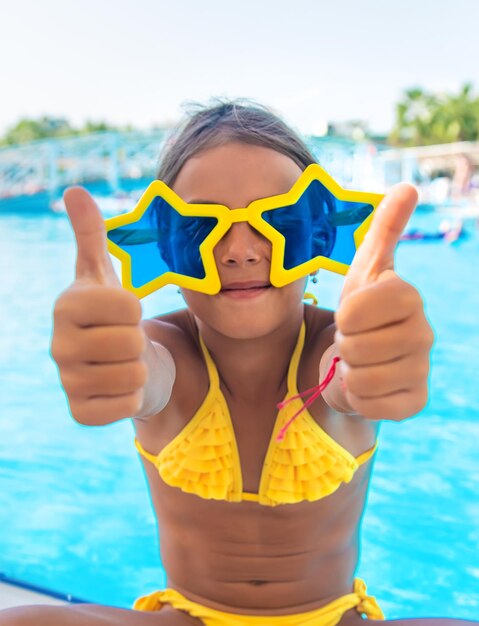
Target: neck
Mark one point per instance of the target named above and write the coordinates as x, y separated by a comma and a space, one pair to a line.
253, 368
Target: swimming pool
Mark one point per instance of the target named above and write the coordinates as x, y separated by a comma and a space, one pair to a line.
75, 515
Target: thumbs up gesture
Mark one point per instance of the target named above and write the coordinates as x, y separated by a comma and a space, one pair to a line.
382, 335
98, 342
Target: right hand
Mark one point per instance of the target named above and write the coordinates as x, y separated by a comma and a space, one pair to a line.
98, 342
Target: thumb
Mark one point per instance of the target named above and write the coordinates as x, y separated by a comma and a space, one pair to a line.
376, 254
93, 261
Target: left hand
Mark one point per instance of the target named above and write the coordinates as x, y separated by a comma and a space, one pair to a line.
383, 337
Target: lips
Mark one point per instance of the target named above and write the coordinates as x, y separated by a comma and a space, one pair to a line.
243, 286
245, 290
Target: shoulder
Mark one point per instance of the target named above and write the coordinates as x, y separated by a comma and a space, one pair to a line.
177, 332
320, 328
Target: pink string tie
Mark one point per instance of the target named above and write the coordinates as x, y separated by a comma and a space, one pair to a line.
315, 393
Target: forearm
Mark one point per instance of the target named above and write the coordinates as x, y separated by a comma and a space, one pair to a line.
161, 377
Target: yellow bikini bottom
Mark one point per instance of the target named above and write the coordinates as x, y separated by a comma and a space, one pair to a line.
328, 615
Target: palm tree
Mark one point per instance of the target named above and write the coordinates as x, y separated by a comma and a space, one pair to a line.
424, 118
458, 117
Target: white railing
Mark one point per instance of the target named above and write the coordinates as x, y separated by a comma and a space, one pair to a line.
50, 165
117, 161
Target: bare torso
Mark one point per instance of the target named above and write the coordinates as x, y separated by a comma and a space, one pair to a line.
246, 557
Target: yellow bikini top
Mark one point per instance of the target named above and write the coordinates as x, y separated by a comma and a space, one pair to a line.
203, 458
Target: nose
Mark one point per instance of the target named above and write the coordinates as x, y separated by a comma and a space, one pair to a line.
242, 246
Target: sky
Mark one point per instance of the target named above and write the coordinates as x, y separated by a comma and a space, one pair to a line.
137, 62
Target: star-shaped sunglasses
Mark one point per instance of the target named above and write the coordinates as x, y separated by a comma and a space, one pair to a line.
164, 240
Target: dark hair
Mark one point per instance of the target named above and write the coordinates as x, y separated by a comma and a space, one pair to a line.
226, 121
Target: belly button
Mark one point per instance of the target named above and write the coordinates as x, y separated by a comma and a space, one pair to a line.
257, 583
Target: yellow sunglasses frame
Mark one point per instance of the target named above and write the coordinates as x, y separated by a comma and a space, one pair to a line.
226, 217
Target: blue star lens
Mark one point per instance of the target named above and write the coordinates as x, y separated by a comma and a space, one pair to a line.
318, 224
163, 241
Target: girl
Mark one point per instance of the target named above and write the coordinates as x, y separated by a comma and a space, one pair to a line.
254, 530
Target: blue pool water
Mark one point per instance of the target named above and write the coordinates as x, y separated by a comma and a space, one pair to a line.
75, 515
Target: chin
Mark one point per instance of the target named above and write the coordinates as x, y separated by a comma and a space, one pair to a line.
248, 318
248, 323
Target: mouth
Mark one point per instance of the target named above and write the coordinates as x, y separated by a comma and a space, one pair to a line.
247, 289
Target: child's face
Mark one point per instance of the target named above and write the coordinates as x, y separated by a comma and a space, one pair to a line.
234, 175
